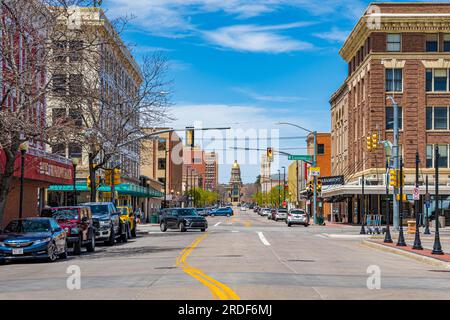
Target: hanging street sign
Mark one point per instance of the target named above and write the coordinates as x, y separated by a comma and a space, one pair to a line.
300, 158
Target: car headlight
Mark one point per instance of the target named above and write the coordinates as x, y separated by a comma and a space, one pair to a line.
42, 240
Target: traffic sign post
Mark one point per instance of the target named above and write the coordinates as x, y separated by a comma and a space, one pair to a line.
314, 171
416, 193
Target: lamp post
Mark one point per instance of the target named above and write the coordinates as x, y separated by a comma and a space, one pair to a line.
427, 205
437, 248
363, 207
23, 150
75, 163
397, 209
387, 235
417, 242
401, 238
279, 191
284, 184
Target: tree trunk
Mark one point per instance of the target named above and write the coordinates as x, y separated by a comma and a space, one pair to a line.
5, 180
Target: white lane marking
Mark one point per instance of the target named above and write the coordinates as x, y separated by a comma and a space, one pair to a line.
263, 239
234, 231
217, 223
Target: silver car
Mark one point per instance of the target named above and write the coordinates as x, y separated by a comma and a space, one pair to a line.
297, 216
281, 214
265, 212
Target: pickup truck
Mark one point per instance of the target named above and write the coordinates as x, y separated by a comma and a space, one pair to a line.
107, 222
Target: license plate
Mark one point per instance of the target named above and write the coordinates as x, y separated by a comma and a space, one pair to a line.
17, 251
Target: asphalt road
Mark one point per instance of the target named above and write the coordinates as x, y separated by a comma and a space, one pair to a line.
243, 257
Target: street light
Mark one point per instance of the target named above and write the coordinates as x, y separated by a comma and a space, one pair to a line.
279, 191
314, 163
284, 184
74, 163
23, 150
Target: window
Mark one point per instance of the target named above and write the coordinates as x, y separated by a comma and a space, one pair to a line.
390, 118
59, 51
429, 118
394, 80
394, 42
75, 150
161, 145
162, 180
59, 83
59, 149
432, 43
76, 50
75, 83
75, 116
429, 80
443, 155
446, 42
320, 149
58, 116
161, 164
440, 118
440, 79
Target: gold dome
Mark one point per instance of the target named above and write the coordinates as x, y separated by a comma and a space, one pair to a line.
235, 165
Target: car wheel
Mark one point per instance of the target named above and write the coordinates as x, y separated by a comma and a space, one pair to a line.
228, 215
112, 238
63, 255
212, 215
203, 230
51, 252
182, 227
289, 225
306, 225
163, 226
77, 246
90, 247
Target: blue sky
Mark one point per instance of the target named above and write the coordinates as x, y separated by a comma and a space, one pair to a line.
246, 63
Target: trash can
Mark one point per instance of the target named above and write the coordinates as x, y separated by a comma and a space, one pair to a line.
320, 220
154, 219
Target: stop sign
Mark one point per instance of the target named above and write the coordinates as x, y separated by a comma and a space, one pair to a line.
284, 203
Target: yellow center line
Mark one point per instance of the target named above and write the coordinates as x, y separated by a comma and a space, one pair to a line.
219, 290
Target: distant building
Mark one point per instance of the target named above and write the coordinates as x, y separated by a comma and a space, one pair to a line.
235, 184
211, 171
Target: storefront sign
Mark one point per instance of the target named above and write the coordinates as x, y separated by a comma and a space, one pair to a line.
54, 171
332, 181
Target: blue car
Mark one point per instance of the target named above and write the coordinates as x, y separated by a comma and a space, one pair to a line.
38, 238
227, 212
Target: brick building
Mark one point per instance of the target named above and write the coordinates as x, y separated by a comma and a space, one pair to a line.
211, 171
400, 50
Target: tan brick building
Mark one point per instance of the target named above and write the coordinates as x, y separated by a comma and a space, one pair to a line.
400, 50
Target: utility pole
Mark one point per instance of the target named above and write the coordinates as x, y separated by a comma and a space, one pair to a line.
279, 191
437, 248
315, 179
284, 184
363, 207
417, 242
401, 239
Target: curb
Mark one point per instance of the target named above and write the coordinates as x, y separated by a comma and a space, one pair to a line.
417, 257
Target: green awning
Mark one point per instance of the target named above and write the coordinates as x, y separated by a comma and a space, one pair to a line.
122, 189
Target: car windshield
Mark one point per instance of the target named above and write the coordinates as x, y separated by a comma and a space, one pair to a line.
25, 226
61, 214
99, 209
186, 212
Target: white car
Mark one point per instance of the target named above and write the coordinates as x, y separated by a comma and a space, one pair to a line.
265, 212
297, 216
243, 208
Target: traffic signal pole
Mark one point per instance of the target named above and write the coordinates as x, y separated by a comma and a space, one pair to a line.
315, 179
396, 163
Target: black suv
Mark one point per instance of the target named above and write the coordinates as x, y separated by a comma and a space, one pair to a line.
107, 222
182, 219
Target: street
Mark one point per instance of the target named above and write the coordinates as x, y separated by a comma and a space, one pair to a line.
242, 257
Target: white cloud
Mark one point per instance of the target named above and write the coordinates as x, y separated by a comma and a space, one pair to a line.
268, 98
335, 35
254, 38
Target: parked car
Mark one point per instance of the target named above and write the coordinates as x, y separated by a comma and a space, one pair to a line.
108, 225
228, 212
128, 217
271, 215
202, 212
297, 216
280, 214
243, 208
78, 225
264, 212
183, 219
36, 238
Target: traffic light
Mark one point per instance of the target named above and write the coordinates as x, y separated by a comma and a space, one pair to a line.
319, 185
88, 181
375, 141
393, 178
369, 143
310, 186
116, 177
108, 177
190, 137
404, 197
269, 153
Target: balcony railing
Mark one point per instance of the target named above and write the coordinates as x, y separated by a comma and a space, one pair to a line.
49, 156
